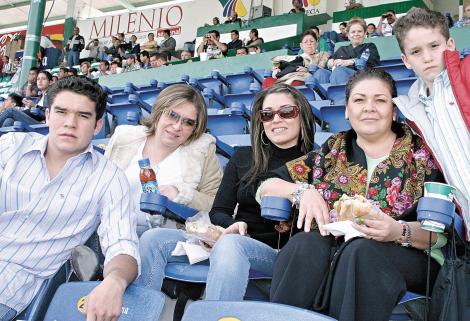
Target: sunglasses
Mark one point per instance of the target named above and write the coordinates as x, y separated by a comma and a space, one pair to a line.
285, 112
175, 117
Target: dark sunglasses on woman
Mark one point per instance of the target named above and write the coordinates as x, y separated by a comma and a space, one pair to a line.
285, 112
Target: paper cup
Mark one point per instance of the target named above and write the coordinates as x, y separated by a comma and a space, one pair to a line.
203, 56
439, 190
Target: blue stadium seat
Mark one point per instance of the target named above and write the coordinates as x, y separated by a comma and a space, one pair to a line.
140, 304
335, 93
227, 143
214, 82
398, 71
121, 97
149, 96
213, 99
316, 105
403, 85
227, 122
240, 82
248, 311
245, 98
135, 88
334, 117
113, 90
391, 61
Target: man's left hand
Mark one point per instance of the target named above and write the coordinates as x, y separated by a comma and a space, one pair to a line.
104, 303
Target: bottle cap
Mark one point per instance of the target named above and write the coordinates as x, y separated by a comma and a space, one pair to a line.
144, 162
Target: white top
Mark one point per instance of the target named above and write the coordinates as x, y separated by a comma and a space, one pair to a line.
42, 220
168, 172
387, 29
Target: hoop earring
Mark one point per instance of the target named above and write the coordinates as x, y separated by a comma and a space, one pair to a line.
262, 141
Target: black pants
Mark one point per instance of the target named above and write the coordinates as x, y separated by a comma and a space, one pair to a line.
368, 277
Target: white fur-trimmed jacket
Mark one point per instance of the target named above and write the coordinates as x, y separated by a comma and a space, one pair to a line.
202, 170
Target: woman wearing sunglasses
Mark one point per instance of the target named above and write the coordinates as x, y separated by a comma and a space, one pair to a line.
382, 160
182, 156
281, 130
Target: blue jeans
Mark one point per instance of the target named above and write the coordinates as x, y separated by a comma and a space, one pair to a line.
230, 262
322, 75
10, 115
102, 56
73, 58
340, 75
6, 313
155, 247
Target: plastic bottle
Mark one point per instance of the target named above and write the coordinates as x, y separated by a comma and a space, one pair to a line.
149, 185
147, 177
361, 63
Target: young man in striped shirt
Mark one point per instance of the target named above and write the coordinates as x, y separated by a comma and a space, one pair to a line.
55, 191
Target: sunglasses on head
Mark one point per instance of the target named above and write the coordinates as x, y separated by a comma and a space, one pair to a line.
175, 117
285, 112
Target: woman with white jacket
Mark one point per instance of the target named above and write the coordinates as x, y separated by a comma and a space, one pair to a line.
181, 154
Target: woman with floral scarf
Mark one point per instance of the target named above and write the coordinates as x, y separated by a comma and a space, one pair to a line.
382, 160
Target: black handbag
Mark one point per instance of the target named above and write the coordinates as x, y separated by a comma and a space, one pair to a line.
288, 67
451, 294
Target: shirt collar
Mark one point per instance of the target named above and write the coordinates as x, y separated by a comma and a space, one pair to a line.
40, 145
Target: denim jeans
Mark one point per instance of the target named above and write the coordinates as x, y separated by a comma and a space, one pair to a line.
10, 115
230, 262
6, 313
155, 247
340, 75
322, 75
102, 56
73, 58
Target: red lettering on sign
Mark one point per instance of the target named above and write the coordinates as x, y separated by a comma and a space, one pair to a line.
149, 23
130, 21
180, 15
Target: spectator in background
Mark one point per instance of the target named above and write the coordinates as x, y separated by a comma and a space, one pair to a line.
131, 63
122, 39
343, 62
114, 50
234, 18
212, 46
161, 60
43, 82
54, 79
253, 50
185, 55
254, 39
153, 60
297, 6
12, 101
343, 34
465, 21
72, 72
371, 31
215, 21
145, 59
74, 46
121, 52
7, 66
16, 65
30, 88
103, 70
93, 47
168, 44
352, 4
115, 68
150, 45
63, 72
85, 69
243, 51
118, 59
134, 46
385, 28
322, 45
236, 42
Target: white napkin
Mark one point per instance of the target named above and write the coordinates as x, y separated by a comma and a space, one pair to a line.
195, 252
343, 228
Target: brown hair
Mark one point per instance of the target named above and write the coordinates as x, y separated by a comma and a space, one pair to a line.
419, 17
356, 21
371, 73
262, 152
309, 33
173, 96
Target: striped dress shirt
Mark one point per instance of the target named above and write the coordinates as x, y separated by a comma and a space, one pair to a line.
42, 220
449, 138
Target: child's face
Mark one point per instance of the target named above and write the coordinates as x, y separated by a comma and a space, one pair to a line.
424, 52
